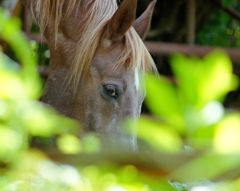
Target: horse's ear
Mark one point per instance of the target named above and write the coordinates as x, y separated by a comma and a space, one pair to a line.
142, 24
121, 21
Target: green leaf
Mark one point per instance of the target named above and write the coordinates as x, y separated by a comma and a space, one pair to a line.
187, 74
162, 100
159, 136
128, 173
91, 143
218, 79
10, 142
69, 144
226, 139
203, 81
11, 33
43, 121
11, 86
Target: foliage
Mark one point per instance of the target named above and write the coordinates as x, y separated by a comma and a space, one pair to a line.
189, 119
221, 29
227, 3
192, 107
22, 117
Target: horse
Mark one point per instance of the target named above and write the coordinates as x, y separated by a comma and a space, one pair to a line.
97, 59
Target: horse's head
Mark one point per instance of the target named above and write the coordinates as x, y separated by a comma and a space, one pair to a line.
113, 89
107, 96
107, 90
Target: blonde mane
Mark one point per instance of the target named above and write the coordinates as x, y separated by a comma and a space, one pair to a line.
98, 14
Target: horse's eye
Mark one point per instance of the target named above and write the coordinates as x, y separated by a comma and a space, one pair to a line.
110, 90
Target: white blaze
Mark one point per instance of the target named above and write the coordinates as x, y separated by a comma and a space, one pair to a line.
137, 83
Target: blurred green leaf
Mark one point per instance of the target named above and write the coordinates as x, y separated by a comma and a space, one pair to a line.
159, 136
163, 101
202, 127
206, 166
218, 79
69, 144
113, 177
10, 142
203, 81
11, 86
128, 173
43, 121
91, 143
226, 138
10, 32
187, 73
4, 109
28, 161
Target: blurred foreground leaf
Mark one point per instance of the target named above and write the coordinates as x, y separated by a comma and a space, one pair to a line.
163, 101
192, 106
69, 144
227, 135
150, 130
23, 117
204, 80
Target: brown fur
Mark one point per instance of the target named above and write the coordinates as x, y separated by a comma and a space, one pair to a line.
50, 13
93, 45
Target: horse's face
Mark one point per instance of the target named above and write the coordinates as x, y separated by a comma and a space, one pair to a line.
107, 96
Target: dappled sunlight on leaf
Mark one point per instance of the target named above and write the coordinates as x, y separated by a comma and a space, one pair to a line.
227, 135
202, 188
58, 174
116, 188
212, 113
11, 86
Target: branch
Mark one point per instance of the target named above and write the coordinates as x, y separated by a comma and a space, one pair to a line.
177, 167
159, 48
